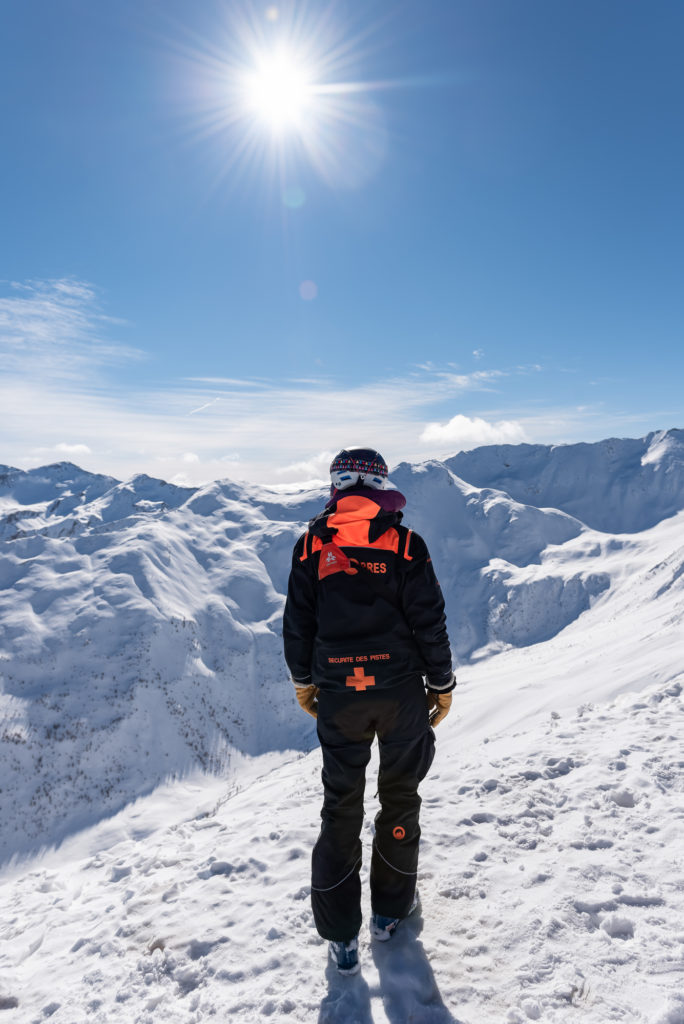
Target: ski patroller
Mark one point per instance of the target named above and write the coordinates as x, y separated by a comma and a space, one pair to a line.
364, 632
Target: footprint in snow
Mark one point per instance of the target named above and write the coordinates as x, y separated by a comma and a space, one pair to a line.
197, 949
251, 868
188, 978
618, 927
119, 872
623, 798
592, 844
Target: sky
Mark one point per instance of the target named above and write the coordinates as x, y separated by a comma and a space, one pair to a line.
237, 237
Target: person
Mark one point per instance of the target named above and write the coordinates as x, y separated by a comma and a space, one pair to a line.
365, 636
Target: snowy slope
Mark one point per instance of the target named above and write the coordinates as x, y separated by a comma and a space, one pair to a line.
140, 639
551, 880
140, 622
139, 644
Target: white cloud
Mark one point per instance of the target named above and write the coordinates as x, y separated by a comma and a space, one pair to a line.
252, 429
316, 468
464, 433
268, 432
52, 329
55, 381
73, 449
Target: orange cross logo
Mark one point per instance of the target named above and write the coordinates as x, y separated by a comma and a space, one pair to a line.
360, 681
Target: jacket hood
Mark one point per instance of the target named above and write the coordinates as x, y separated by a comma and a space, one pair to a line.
360, 512
389, 501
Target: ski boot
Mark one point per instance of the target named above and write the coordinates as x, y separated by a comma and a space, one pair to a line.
383, 928
345, 955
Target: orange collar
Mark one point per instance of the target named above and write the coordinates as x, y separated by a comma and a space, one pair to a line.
352, 520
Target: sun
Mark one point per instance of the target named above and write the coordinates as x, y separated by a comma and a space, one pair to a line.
279, 91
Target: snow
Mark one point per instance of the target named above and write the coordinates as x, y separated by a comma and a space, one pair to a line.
634, 483
160, 788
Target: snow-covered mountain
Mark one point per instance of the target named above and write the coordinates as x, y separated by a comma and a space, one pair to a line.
140, 644
140, 622
617, 486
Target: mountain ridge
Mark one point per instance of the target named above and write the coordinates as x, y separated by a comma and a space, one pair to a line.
140, 620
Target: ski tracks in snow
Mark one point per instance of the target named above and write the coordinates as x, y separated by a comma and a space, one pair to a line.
552, 889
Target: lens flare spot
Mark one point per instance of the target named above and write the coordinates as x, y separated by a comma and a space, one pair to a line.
308, 290
272, 14
294, 197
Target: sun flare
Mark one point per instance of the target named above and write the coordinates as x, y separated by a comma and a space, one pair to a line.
278, 91
281, 93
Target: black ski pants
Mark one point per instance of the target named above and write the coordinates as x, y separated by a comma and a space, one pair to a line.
347, 725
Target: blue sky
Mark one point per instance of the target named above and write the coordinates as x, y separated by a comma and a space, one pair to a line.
470, 231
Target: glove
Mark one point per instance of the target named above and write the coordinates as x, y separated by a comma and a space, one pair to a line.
306, 698
441, 702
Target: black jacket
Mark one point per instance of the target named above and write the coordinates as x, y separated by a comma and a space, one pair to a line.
364, 608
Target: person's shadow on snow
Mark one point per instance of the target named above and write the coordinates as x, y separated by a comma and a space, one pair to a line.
407, 982
347, 1001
